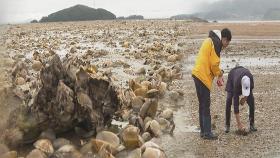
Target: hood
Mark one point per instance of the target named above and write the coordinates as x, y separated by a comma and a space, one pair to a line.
216, 37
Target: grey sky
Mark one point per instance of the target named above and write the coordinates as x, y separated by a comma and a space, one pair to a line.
24, 10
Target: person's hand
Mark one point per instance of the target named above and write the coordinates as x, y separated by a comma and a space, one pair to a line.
241, 127
243, 100
220, 81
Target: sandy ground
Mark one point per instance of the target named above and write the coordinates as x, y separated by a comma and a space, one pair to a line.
250, 50
254, 45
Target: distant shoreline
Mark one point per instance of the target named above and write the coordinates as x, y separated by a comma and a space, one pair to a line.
210, 21
246, 21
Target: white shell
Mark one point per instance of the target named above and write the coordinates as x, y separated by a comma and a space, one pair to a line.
44, 145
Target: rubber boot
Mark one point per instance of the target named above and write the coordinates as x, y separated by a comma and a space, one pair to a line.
227, 128
207, 129
252, 125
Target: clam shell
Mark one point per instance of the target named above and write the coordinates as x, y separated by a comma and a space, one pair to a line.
174, 95
141, 71
59, 142
97, 145
141, 91
151, 153
37, 65
172, 58
137, 103
147, 84
3, 149
136, 153
44, 145
10, 154
152, 93
84, 100
153, 127
145, 107
146, 136
67, 148
162, 88
109, 137
164, 124
20, 81
36, 153
131, 138
48, 134
153, 108
167, 114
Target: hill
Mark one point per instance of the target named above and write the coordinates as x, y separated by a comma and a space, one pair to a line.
79, 13
187, 17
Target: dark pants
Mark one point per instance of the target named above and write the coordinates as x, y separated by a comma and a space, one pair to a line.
250, 102
203, 95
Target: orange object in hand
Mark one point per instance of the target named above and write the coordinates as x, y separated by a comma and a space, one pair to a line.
220, 82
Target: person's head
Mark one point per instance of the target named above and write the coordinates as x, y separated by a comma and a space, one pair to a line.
226, 37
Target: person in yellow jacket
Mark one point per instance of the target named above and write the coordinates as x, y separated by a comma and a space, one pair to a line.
207, 67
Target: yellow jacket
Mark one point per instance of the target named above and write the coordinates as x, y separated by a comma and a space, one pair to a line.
207, 64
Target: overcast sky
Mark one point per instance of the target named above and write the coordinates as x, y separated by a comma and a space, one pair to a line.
24, 10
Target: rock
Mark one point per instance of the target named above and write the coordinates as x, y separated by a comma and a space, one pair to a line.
20, 81
146, 84
86, 149
73, 50
136, 121
164, 124
107, 64
126, 44
100, 146
59, 142
131, 138
146, 136
84, 100
3, 149
150, 144
174, 95
145, 107
36, 153
68, 151
147, 119
137, 103
109, 137
152, 111
12, 137
167, 114
67, 148
152, 93
10, 154
162, 88
172, 58
141, 91
48, 134
134, 85
149, 108
141, 71
136, 153
8, 62
152, 153
37, 65
154, 127
126, 114
44, 145
22, 73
